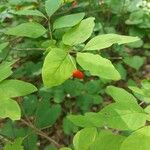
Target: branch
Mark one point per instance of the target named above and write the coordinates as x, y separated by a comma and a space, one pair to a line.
39, 132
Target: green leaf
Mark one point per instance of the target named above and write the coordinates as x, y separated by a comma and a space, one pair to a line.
123, 116
30, 29
50, 147
93, 86
136, 17
51, 6
5, 70
139, 140
16, 88
141, 94
73, 87
107, 40
147, 109
136, 90
107, 141
16, 145
84, 138
120, 95
3, 45
88, 120
28, 12
79, 33
31, 138
65, 148
135, 61
46, 116
98, 66
79, 120
29, 105
9, 108
58, 67
10, 127
69, 127
68, 20
146, 83
123, 72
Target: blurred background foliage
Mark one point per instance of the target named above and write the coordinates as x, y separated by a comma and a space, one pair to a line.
48, 108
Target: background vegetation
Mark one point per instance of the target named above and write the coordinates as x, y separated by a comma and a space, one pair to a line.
41, 118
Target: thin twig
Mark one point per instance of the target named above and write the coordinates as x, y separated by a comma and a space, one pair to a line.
49, 29
141, 103
39, 132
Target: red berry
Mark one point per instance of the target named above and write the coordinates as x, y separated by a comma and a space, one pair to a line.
74, 4
78, 74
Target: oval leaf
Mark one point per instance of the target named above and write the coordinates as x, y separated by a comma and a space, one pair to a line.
105, 137
5, 70
58, 67
30, 13
123, 116
68, 21
107, 40
46, 115
79, 33
139, 140
9, 108
98, 66
31, 29
120, 95
15, 88
135, 62
84, 138
51, 6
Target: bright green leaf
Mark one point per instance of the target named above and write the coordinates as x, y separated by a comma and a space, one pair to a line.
84, 138
107, 40
120, 95
79, 33
15, 88
5, 70
123, 116
147, 109
30, 29
137, 90
141, 94
88, 120
9, 108
16, 145
139, 140
146, 83
51, 6
107, 141
28, 12
98, 66
68, 21
58, 67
